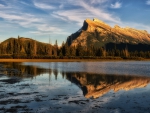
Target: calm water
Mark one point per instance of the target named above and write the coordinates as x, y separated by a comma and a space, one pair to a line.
72, 87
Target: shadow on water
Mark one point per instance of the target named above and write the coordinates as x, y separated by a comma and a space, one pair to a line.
92, 85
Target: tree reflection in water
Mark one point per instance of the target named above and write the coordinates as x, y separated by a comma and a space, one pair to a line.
23, 71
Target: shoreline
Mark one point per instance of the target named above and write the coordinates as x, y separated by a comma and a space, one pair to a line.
68, 60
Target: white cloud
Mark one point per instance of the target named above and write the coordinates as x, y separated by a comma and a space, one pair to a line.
24, 3
45, 27
100, 13
86, 10
20, 18
54, 14
48, 33
148, 2
38, 25
116, 5
61, 6
43, 6
1, 5
97, 1
77, 16
4, 7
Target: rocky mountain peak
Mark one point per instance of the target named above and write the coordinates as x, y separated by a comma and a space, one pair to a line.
98, 33
91, 25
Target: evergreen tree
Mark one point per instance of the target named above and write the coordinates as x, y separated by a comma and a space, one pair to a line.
16, 47
60, 53
79, 50
63, 48
73, 51
100, 52
67, 50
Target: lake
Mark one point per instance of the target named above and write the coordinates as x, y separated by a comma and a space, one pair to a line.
75, 87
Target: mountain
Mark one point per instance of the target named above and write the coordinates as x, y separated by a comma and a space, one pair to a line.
97, 33
22, 46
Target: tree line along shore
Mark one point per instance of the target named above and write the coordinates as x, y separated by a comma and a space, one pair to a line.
24, 48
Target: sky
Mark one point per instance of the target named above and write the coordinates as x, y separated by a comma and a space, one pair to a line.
53, 20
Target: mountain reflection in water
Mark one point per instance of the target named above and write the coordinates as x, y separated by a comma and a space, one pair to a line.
96, 85
92, 85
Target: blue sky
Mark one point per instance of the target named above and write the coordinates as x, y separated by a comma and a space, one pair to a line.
57, 19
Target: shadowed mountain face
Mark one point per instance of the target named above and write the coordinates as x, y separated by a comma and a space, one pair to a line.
96, 85
98, 33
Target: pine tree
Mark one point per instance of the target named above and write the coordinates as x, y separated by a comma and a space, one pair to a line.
99, 52
67, 50
73, 51
60, 53
16, 45
79, 49
63, 48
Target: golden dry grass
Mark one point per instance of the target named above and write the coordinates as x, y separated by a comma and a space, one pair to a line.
48, 60
67, 60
